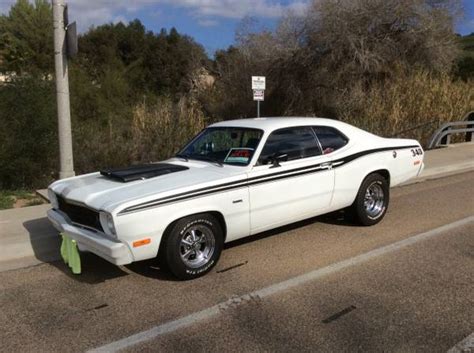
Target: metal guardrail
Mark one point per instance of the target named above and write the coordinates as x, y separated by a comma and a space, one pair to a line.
443, 134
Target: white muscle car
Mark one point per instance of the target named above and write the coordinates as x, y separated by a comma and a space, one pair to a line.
234, 179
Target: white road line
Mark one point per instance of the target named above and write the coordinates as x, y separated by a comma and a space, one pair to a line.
465, 346
273, 289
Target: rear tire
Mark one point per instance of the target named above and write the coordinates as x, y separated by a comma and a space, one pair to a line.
372, 200
192, 246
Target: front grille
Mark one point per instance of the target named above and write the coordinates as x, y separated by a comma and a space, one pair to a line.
79, 214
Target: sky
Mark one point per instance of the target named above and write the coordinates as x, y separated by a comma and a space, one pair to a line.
210, 22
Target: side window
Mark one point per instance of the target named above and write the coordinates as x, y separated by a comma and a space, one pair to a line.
330, 138
295, 142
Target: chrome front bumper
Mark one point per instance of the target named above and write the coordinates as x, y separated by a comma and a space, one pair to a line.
113, 251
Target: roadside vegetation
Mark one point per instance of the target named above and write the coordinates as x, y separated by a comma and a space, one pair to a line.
387, 66
18, 198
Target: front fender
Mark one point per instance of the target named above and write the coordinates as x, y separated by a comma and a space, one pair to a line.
152, 222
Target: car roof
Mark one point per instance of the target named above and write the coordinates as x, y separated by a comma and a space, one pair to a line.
273, 123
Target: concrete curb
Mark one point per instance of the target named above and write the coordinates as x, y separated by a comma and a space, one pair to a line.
442, 172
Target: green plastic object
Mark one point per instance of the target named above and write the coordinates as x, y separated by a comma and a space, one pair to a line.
70, 254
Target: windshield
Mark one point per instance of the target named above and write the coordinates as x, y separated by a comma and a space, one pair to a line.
223, 145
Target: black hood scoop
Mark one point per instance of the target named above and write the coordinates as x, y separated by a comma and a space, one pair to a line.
141, 172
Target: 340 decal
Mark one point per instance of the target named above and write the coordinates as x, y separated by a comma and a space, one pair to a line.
416, 152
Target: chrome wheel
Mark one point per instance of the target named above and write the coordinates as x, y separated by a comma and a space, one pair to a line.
374, 200
197, 246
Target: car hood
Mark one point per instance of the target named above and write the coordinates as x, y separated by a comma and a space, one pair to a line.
100, 192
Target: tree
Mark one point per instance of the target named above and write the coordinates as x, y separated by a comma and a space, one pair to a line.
26, 38
154, 63
359, 37
311, 60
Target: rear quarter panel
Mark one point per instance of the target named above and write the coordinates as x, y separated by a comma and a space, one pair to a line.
408, 164
398, 158
349, 177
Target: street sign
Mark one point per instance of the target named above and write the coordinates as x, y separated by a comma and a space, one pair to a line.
258, 94
258, 82
71, 40
258, 86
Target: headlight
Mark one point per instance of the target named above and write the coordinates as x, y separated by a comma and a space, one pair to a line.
53, 199
107, 221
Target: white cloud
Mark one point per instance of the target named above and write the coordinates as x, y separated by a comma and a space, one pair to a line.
299, 7
119, 18
5, 6
238, 9
88, 13
206, 12
207, 22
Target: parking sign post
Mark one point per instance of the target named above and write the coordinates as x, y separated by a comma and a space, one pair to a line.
258, 87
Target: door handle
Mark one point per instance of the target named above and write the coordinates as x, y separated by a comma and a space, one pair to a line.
327, 165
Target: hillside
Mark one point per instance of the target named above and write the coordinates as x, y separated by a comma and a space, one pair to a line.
467, 45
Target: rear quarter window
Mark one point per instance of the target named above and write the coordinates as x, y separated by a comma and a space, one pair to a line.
330, 138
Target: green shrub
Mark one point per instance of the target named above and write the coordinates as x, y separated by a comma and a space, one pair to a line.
28, 134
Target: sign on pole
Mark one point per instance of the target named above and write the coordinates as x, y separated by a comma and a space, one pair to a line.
71, 40
258, 86
258, 82
258, 94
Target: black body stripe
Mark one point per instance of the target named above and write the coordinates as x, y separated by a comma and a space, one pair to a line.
351, 157
257, 180
194, 194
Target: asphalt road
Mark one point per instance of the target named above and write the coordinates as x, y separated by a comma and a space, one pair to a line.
418, 297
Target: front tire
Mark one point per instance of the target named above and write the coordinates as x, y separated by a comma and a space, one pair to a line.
193, 246
372, 200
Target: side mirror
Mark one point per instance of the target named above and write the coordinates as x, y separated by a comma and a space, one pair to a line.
277, 158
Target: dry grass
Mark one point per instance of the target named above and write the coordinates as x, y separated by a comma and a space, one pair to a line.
406, 101
148, 132
156, 131
161, 129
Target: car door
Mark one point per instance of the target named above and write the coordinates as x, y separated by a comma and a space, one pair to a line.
291, 180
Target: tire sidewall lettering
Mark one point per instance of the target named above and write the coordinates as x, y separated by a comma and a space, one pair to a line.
197, 221
201, 269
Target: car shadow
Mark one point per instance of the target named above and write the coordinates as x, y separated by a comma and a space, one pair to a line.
95, 270
151, 269
46, 242
339, 218
44, 239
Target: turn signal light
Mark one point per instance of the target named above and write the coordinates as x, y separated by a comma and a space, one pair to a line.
141, 242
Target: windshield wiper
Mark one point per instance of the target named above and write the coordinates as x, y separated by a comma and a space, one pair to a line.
183, 156
207, 159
